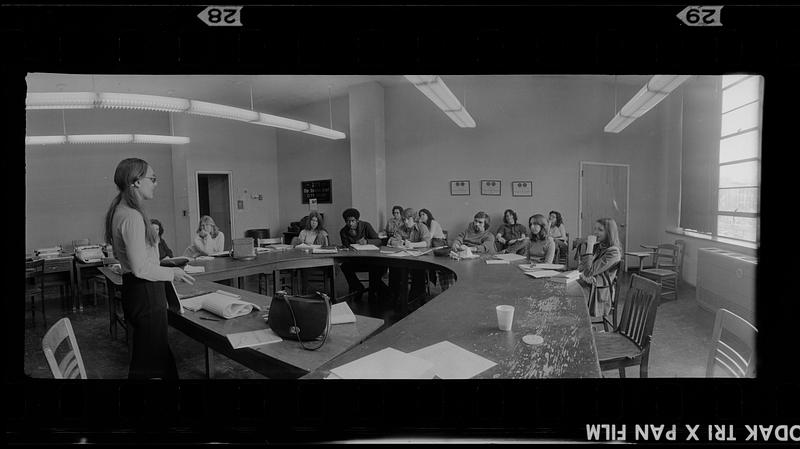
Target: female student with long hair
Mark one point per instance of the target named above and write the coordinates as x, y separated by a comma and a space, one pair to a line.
144, 281
437, 234
541, 248
209, 239
314, 232
163, 249
597, 262
558, 231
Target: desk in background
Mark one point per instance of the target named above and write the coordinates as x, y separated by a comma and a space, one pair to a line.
60, 267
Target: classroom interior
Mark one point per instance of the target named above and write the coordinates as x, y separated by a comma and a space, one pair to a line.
686, 170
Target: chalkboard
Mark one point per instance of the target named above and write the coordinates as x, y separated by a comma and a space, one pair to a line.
321, 190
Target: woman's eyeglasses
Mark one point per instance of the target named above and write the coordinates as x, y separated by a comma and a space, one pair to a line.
151, 178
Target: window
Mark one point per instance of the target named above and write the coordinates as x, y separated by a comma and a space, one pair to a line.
739, 158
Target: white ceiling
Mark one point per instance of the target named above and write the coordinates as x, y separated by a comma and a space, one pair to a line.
271, 93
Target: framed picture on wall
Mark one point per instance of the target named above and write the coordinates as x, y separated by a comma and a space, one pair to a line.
522, 188
490, 187
458, 188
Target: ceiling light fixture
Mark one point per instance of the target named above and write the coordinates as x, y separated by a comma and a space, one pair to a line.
109, 139
437, 91
89, 100
655, 90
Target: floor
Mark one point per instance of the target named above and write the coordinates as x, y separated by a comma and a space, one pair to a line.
679, 349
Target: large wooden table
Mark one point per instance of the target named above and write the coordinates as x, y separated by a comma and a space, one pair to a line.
464, 314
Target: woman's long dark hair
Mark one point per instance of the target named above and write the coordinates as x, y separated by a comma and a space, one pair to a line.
559, 218
320, 222
430, 217
513, 214
544, 230
128, 172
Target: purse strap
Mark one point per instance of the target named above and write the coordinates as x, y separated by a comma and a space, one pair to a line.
327, 325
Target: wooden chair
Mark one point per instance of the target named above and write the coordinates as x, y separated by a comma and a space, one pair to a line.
665, 263
629, 344
71, 365
740, 335
612, 286
34, 285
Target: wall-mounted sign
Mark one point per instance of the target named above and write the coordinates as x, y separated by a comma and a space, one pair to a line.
490, 187
522, 188
319, 190
459, 188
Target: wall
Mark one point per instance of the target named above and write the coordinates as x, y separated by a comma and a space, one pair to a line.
248, 151
686, 135
303, 157
528, 128
68, 188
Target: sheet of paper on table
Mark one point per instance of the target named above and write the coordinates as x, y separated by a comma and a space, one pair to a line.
496, 262
541, 266
253, 338
542, 273
307, 246
451, 361
194, 269
509, 257
324, 251
388, 363
341, 313
367, 247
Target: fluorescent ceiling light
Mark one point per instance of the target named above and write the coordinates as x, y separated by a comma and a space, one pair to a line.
113, 100
106, 139
656, 89
437, 91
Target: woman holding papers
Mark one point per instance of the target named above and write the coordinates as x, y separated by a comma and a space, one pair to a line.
542, 248
314, 232
209, 239
600, 257
144, 300
163, 249
512, 236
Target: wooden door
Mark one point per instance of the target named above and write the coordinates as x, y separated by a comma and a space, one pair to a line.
604, 193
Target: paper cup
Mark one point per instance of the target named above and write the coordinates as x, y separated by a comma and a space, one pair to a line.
505, 316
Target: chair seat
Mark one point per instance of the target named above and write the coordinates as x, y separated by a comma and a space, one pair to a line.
614, 346
659, 272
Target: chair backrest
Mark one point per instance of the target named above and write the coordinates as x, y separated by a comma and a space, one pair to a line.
667, 252
71, 365
639, 314
735, 353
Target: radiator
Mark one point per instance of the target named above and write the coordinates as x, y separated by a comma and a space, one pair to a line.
726, 279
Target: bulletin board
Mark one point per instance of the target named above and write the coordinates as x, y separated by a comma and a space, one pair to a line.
320, 189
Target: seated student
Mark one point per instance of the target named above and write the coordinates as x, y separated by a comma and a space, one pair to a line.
395, 222
596, 263
410, 235
542, 248
163, 249
361, 233
314, 232
437, 234
512, 236
558, 231
476, 236
209, 239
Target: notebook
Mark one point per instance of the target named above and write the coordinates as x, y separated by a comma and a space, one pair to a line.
219, 304
194, 269
253, 338
388, 363
541, 273
173, 303
368, 247
453, 362
341, 313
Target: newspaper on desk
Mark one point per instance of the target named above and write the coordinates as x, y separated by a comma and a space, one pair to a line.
221, 304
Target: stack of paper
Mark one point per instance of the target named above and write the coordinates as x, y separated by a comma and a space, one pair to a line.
219, 304
496, 262
388, 363
509, 257
341, 313
540, 266
253, 338
307, 246
194, 269
541, 273
324, 251
280, 246
569, 276
367, 247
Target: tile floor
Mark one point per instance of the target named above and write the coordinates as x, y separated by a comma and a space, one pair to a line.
679, 349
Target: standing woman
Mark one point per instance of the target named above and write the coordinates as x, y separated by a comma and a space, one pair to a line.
511, 237
558, 231
437, 234
542, 248
314, 232
144, 281
163, 249
599, 264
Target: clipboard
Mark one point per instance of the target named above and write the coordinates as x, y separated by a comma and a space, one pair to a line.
173, 303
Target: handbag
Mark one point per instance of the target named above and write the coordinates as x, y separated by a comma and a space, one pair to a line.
303, 318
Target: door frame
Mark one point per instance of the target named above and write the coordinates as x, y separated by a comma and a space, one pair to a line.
627, 196
197, 174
